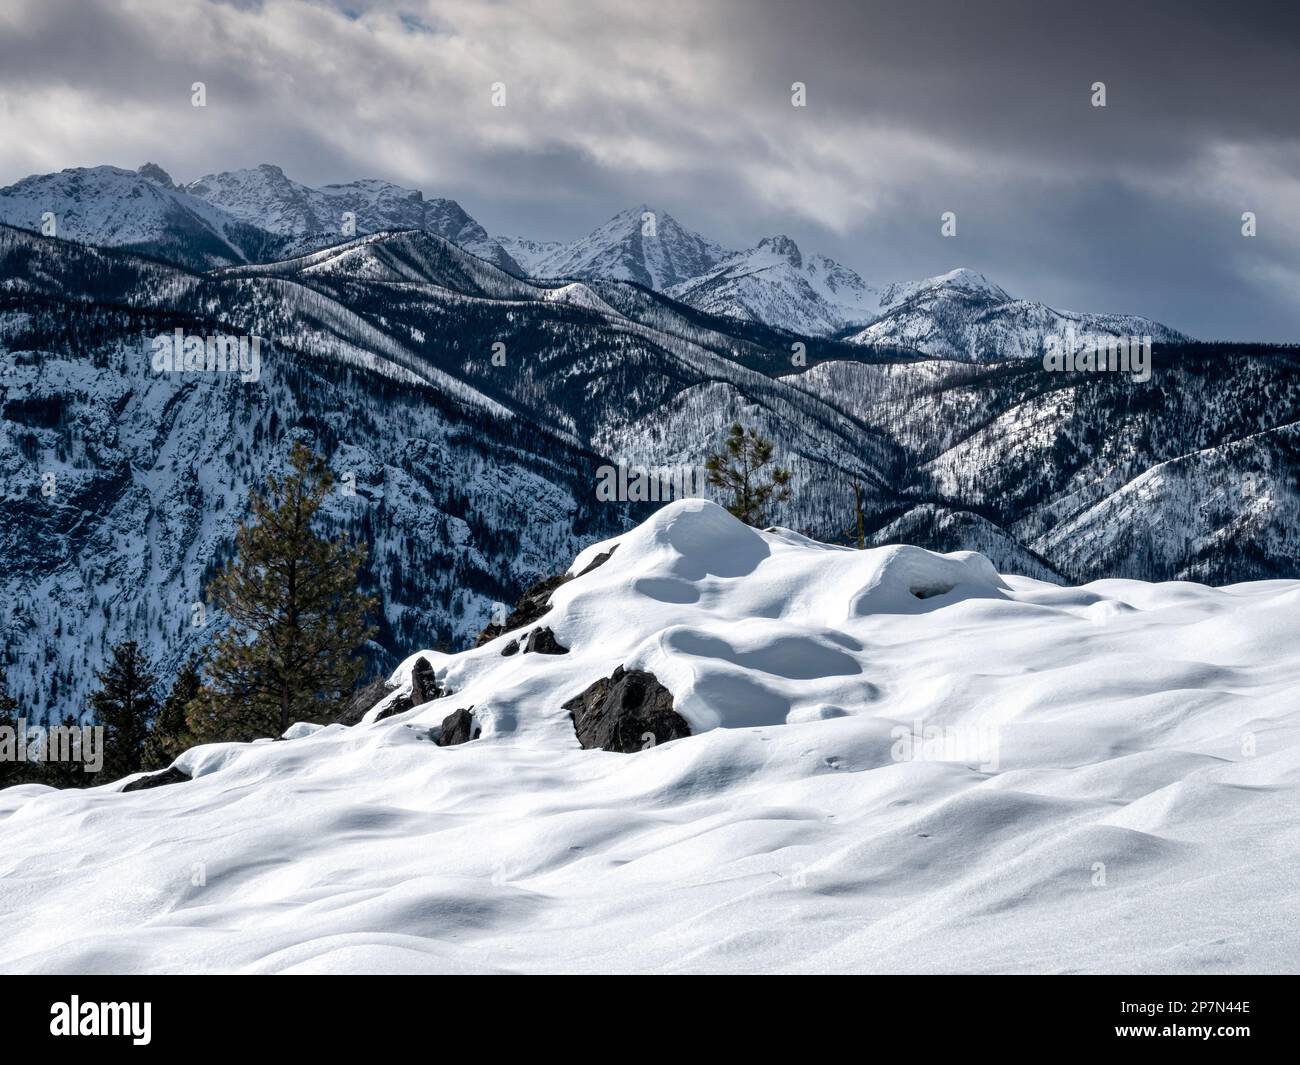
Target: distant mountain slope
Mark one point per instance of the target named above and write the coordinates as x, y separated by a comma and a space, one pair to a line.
963, 315
527, 252
265, 197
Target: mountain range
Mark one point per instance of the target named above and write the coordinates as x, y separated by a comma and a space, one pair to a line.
469, 410
257, 214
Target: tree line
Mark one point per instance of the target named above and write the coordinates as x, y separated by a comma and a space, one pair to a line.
290, 652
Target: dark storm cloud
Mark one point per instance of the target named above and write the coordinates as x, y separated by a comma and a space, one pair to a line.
914, 108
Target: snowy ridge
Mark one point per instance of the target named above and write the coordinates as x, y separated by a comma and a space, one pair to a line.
805, 818
962, 315
268, 199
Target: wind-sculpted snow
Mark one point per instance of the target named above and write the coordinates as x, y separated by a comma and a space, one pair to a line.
900, 761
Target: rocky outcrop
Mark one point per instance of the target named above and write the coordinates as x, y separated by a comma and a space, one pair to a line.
531, 606
458, 727
628, 711
599, 560
158, 780
364, 701
535, 602
424, 689
543, 642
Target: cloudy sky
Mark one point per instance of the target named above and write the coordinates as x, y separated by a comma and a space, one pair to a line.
914, 108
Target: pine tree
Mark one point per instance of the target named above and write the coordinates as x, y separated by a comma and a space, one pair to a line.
124, 705
740, 470
12, 771
169, 735
298, 618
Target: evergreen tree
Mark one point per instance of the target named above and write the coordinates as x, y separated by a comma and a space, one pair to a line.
298, 618
12, 771
740, 470
169, 735
124, 705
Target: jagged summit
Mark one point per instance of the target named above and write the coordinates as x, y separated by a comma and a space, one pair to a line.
156, 174
783, 247
639, 244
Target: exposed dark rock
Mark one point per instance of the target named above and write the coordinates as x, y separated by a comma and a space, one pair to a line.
534, 603
424, 688
158, 780
537, 601
398, 706
531, 606
459, 727
543, 642
424, 685
509, 649
363, 701
599, 560
626, 712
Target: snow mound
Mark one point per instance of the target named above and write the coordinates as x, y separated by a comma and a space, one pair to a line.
899, 761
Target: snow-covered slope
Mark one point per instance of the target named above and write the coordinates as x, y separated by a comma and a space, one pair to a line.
900, 762
640, 244
527, 252
776, 284
963, 315
264, 196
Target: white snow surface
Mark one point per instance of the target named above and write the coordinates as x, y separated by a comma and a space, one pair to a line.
1136, 812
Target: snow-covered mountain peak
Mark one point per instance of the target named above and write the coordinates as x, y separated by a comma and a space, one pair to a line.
961, 280
156, 174
638, 244
782, 247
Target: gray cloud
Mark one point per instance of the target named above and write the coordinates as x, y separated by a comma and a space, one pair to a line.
913, 109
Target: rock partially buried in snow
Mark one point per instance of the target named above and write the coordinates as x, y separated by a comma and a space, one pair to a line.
158, 780
424, 689
424, 686
532, 605
626, 712
543, 642
458, 727
536, 601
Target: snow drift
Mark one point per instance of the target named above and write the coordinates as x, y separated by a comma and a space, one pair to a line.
899, 761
